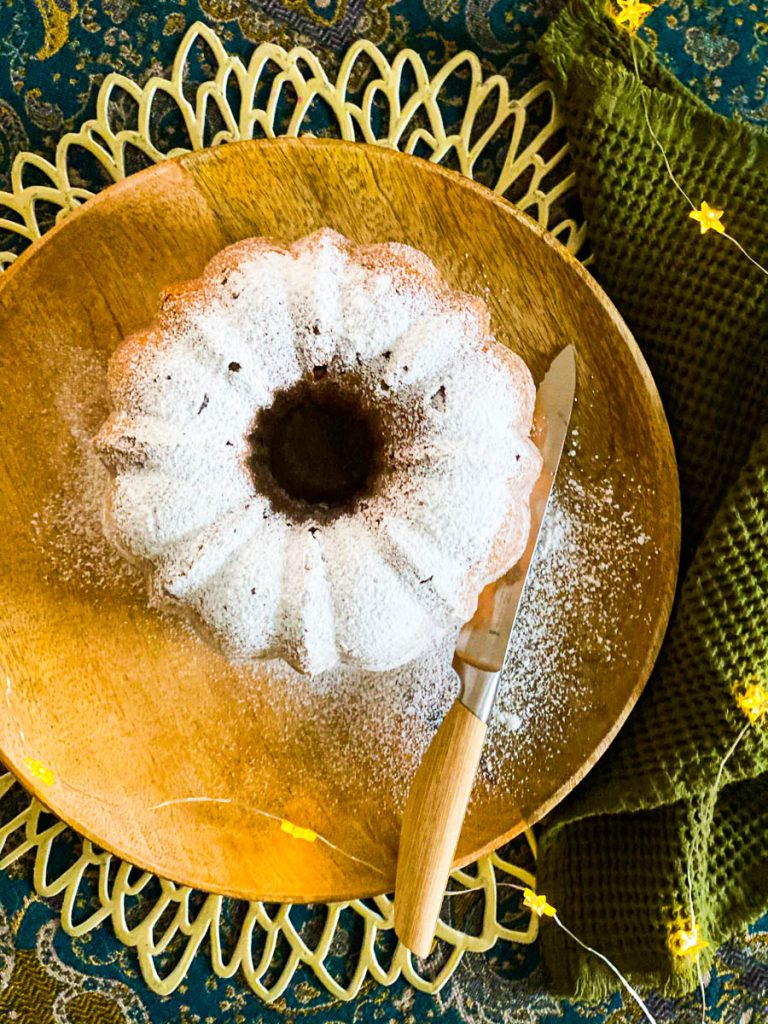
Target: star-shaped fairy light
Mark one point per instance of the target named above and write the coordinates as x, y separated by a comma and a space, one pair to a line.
538, 904
687, 942
632, 14
307, 834
753, 701
39, 771
708, 218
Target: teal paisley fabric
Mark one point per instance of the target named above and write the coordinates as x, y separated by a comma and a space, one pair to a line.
54, 55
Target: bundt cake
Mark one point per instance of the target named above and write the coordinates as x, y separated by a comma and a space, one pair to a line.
319, 452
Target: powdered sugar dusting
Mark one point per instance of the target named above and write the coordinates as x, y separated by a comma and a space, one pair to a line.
385, 720
448, 514
382, 722
588, 539
68, 527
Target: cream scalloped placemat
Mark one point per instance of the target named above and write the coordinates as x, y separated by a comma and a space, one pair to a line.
457, 117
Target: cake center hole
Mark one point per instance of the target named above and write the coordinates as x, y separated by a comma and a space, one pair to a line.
318, 444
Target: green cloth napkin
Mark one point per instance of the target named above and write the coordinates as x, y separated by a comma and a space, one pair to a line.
614, 857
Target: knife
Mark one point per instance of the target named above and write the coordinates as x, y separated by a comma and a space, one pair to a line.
442, 786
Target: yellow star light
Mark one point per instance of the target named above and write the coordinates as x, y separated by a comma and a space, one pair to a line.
708, 217
632, 14
687, 942
538, 904
307, 834
39, 770
753, 702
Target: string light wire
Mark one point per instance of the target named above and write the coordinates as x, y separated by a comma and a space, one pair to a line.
671, 174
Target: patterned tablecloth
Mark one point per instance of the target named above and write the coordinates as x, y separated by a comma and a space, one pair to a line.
53, 56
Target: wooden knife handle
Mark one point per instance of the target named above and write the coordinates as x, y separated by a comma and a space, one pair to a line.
432, 824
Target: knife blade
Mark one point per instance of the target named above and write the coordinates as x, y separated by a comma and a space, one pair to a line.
442, 786
483, 642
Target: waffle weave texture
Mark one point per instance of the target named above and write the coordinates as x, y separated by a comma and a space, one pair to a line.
615, 855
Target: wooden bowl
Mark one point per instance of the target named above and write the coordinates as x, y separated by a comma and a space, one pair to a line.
113, 709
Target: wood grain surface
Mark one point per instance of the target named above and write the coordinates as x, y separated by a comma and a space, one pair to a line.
432, 824
128, 710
